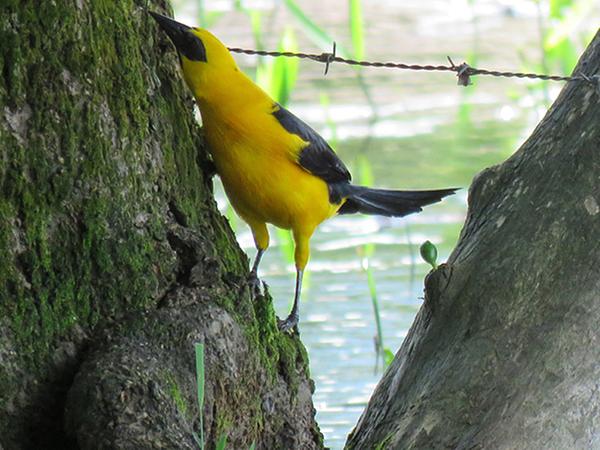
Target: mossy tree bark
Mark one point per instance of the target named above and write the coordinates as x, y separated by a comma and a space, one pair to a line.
113, 257
505, 351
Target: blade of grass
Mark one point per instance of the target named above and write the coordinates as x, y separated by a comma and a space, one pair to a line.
365, 170
285, 70
199, 350
357, 29
312, 30
325, 103
256, 24
286, 244
411, 251
207, 18
278, 76
202, 13
221, 443
368, 251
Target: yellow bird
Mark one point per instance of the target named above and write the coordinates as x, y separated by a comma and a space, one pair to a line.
274, 167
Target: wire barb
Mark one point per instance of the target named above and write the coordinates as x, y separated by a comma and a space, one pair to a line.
327, 58
464, 72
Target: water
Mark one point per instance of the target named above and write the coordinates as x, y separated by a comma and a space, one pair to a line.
425, 133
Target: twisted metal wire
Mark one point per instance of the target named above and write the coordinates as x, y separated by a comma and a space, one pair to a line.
463, 71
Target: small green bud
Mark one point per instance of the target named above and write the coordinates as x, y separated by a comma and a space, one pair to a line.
429, 253
388, 356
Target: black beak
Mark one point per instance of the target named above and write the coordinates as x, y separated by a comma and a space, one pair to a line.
186, 43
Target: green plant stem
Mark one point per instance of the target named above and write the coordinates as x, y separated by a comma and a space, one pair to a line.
375, 302
199, 348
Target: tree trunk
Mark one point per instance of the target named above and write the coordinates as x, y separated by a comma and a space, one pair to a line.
505, 351
114, 260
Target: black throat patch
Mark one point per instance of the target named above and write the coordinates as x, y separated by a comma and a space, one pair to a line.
191, 47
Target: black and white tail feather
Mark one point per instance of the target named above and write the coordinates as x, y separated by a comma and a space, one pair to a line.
318, 158
387, 202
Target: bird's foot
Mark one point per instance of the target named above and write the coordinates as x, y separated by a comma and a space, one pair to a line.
289, 324
255, 284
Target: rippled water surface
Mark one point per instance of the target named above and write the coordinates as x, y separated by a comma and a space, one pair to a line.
424, 132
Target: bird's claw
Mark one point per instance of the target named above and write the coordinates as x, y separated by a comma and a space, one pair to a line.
289, 324
255, 284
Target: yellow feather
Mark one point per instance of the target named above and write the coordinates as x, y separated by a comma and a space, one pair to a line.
255, 156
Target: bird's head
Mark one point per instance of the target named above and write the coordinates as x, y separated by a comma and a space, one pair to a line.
202, 56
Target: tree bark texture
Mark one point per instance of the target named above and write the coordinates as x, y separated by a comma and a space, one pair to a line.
114, 260
505, 351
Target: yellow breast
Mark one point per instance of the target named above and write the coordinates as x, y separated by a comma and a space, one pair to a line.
260, 176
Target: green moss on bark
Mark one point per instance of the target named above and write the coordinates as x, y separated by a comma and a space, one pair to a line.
95, 141
177, 395
74, 133
99, 156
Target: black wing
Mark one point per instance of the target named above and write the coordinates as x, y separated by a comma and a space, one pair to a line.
317, 157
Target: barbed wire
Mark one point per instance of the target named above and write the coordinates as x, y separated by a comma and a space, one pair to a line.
463, 71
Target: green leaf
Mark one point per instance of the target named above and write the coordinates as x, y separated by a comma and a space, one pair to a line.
429, 253
357, 29
388, 356
221, 443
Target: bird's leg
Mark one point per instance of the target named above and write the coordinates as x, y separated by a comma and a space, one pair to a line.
291, 320
261, 241
253, 276
301, 254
